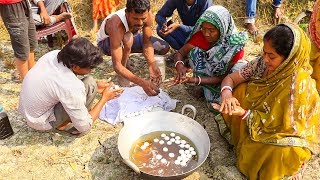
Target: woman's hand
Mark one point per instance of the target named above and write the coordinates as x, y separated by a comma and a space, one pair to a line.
228, 105
181, 73
236, 110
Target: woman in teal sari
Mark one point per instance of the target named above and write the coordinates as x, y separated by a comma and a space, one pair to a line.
214, 49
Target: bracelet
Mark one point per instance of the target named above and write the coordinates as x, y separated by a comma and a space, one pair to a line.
226, 87
245, 114
175, 65
199, 80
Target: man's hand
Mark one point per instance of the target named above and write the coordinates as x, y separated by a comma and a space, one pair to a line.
103, 84
45, 18
155, 74
169, 29
110, 92
150, 88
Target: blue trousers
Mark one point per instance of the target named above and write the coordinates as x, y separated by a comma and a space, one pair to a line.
251, 7
177, 38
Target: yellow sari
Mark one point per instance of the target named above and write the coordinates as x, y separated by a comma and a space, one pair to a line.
314, 32
282, 130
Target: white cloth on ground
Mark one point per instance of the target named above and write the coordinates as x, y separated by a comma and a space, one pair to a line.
132, 102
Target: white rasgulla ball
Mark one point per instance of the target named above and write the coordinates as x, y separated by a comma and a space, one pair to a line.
181, 151
172, 134
187, 145
189, 156
146, 144
165, 149
169, 142
191, 149
183, 156
161, 142
179, 158
193, 153
172, 140
177, 162
171, 155
177, 141
183, 163
164, 161
178, 137
143, 147
181, 145
158, 156
163, 135
166, 138
183, 141
156, 140
187, 151
116, 87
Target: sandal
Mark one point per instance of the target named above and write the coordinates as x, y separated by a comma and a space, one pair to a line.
252, 29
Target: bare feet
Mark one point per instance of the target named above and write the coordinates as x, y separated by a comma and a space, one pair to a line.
62, 16
252, 29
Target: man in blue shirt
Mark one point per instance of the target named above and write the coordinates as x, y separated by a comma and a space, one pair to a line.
189, 11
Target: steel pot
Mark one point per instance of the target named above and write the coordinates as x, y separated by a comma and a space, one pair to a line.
149, 122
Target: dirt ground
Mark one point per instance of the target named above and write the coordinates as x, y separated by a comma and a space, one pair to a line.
29, 154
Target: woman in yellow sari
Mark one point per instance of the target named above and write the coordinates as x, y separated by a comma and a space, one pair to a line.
314, 31
273, 117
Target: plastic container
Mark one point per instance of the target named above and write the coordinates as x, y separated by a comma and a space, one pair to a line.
5, 126
161, 63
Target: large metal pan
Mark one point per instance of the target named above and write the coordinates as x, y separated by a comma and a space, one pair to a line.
163, 121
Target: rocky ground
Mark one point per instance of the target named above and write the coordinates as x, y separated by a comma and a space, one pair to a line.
29, 154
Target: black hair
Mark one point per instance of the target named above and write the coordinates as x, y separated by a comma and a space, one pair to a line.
282, 39
138, 6
80, 52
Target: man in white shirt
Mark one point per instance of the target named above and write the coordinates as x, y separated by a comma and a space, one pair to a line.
52, 95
